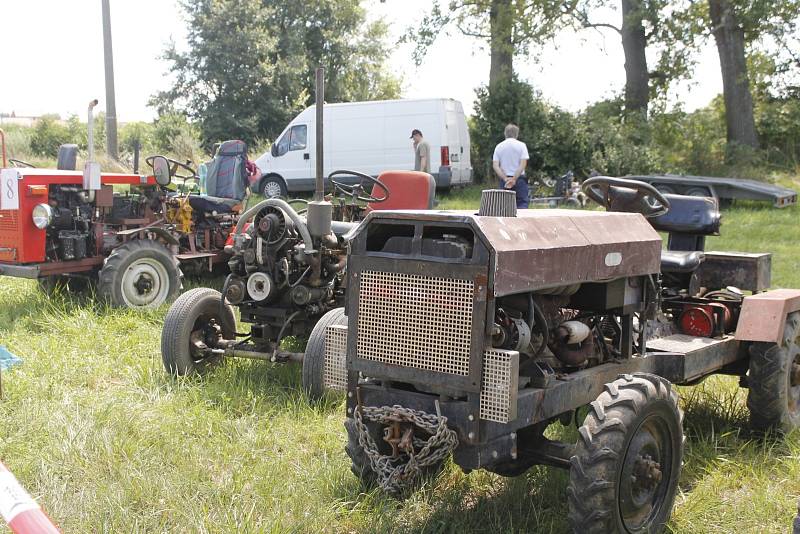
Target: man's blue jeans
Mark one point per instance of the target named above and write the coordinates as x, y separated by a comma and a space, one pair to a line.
521, 188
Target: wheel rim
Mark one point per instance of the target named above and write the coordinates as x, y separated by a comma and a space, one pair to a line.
272, 189
646, 473
145, 283
206, 332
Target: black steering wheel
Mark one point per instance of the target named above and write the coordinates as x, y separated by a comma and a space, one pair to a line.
20, 163
357, 190
175, 165
623, 194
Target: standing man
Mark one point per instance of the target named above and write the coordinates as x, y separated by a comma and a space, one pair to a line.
509, 162
422, 152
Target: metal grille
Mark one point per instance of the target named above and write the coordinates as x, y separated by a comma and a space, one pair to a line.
499, 388
335, 368
423, 322
498, 203
8, 220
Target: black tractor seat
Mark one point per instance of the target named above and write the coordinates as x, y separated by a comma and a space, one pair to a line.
689, 215
679, 261
209, 204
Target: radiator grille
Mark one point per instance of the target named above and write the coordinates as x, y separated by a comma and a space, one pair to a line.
335, 374
499, 388
8, 220
409, 320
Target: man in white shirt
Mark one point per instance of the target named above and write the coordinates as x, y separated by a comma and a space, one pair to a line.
509, 162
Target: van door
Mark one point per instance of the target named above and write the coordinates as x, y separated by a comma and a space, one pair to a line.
453, 141
292, 157
464, 160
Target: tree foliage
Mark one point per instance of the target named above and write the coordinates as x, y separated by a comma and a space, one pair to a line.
249, 66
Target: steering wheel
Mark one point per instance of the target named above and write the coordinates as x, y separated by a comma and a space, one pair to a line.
20, 163
175, 166
358, 190
622, 194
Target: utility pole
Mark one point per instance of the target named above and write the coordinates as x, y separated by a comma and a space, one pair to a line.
111, 105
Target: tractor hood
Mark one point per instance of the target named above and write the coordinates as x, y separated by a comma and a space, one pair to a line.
540, 249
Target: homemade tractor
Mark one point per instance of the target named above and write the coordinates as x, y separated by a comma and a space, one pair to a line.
287, 270
128, 233
470, 333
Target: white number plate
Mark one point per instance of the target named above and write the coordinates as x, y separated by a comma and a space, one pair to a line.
9, 189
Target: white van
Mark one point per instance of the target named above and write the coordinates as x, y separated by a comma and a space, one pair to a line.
369, 137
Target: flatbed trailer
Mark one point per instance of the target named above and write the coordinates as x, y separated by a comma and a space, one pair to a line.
721, 188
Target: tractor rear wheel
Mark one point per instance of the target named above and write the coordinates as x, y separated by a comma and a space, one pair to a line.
774, 381
140, 274
194, 321
314, 359
624, 474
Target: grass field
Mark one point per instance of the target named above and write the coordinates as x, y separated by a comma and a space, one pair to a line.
107, 442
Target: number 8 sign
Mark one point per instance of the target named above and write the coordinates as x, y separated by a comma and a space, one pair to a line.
9, 189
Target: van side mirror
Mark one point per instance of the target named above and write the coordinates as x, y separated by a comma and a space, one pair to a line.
274, 150
161, 171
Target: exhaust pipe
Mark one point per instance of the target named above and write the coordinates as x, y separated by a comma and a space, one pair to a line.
91, 171
320, 212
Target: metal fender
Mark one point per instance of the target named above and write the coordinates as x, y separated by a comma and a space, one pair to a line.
763, 315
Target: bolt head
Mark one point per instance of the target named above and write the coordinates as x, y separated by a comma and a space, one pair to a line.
350, 394
471, 435
494, 454
471, 417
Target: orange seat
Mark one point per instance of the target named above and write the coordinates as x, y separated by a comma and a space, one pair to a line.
408, 190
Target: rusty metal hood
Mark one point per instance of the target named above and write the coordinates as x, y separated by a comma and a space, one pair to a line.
541, 249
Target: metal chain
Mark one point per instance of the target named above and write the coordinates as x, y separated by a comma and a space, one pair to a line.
396, 473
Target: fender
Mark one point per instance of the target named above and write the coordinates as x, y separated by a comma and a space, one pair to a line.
763, 315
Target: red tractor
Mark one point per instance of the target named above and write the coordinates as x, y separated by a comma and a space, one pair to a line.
127, 233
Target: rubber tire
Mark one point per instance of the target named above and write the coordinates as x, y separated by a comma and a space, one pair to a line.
272, 178
314, 359
604, 439
178, 325
109, 285
769, 381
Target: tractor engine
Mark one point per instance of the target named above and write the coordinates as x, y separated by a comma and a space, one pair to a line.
69, 235
279, 285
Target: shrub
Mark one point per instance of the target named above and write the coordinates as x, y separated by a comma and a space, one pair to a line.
48, 134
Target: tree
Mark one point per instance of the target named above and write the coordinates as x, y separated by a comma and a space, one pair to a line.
249, 64
509, 27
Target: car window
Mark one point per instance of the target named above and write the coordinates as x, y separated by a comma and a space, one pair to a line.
299, 137
283, 143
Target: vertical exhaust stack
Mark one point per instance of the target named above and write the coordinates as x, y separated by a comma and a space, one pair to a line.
91, 171
320, 212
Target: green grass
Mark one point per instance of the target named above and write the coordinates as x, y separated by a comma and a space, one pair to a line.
107, 443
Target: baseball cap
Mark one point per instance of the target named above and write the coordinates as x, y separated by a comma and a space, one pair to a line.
415, 132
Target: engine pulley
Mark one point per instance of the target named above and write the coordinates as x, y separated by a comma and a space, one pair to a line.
260, 286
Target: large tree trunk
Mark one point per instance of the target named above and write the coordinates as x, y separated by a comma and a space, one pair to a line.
634, 44
735, 83
501, 27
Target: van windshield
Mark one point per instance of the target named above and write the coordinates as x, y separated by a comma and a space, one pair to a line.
295, 138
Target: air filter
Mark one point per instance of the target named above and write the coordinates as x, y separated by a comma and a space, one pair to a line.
498, 203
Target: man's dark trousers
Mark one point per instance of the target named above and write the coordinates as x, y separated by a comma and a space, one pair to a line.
521, 189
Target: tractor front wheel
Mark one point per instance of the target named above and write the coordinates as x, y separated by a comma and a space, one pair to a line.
140, 274
314, 358
774, 381
624, 474
194, 323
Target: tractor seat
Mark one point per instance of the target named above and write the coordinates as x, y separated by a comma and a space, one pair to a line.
689, 215
408, 190
208, 204
679, 261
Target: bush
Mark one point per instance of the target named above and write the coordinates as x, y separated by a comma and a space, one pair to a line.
48, 134
134, 133
172, 131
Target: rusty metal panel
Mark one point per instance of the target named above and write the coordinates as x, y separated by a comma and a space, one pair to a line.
541, 249
763, 315
747, 271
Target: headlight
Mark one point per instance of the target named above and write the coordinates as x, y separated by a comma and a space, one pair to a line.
42, 216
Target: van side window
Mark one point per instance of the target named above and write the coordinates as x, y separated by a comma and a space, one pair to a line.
299, 135
294, 139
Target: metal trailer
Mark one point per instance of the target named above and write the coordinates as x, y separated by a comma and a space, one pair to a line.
721, 188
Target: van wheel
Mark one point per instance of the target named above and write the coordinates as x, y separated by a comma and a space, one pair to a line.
273, 186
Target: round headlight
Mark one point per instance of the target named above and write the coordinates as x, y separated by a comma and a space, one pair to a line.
42, 216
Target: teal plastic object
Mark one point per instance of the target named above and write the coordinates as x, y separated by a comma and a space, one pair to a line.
7, 359
202, 172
